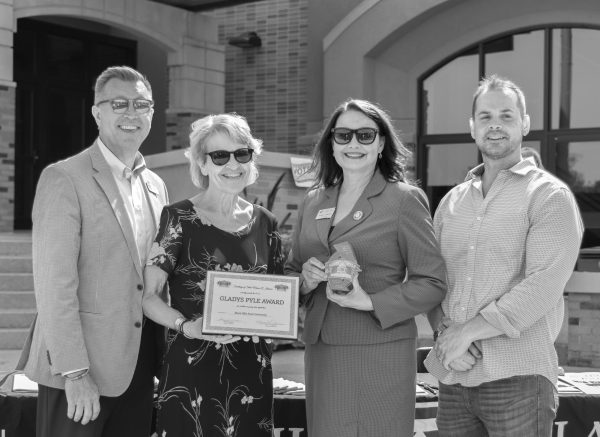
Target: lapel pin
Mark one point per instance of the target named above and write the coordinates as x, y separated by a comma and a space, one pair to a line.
357, 215
151, 188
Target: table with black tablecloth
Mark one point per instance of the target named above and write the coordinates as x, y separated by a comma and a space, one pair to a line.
577, 415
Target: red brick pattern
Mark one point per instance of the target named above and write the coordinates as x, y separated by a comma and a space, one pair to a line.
179, 128
268, 84
7, 157
584, 330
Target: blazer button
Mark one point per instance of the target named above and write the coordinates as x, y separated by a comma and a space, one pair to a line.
140, 287
137, 324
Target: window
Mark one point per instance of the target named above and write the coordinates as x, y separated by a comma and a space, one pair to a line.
557, 68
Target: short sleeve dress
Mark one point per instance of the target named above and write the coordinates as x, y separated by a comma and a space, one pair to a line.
209, 389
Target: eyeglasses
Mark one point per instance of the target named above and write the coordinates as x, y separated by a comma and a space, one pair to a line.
364, 135
222, 157
120, 106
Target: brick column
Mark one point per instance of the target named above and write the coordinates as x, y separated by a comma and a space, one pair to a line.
584, 329
7, 118
196, 88
7, 156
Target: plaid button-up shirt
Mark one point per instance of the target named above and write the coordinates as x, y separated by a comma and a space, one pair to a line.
508, 255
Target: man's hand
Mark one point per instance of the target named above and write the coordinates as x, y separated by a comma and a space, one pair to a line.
453, 343
463, 363
83, 399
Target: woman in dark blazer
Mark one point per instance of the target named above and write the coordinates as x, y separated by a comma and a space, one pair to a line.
360, 357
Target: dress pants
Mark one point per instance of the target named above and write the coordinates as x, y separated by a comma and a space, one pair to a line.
128, 415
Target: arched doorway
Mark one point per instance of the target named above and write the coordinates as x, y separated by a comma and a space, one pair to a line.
55, 67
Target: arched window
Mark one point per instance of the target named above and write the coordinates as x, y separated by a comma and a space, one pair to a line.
558, 69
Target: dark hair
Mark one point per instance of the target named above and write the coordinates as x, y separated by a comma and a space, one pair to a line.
394, 154
122, 72
495, 83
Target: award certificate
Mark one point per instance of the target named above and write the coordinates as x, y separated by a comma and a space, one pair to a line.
251, 304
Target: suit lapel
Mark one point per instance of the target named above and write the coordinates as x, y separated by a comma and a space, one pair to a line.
107, 183
329, 201
363, 207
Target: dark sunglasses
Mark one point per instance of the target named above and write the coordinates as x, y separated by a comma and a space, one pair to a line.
364, 135
221, 157
120, 106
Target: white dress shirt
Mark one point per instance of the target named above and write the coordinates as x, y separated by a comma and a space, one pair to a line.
130, 184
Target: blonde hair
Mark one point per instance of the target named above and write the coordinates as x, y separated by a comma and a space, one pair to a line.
231, 124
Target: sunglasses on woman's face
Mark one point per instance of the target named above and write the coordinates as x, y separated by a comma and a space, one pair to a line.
364, 135
221, 157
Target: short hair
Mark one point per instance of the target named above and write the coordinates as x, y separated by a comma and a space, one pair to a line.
231, 124
497, 83
394, 154
121, 72
530, 152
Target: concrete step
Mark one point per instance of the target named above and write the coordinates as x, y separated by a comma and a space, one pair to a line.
16, 318
15, 264
16, 282
8, 361
17, 300
12, 338
13, 246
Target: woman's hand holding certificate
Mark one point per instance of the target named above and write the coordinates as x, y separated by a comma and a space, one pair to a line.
193, 329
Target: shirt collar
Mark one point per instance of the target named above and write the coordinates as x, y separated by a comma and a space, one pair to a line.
521, 168
117, 167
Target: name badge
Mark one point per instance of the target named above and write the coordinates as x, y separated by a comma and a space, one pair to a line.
325, 213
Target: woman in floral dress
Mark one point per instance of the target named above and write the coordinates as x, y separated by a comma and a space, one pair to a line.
212, 385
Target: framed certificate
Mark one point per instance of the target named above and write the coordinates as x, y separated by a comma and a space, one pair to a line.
251, 304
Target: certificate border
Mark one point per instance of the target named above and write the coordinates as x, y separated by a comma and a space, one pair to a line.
208, 325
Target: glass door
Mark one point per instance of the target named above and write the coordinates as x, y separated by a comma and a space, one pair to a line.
577, 163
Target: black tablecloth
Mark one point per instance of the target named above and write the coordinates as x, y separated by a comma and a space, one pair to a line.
576, 416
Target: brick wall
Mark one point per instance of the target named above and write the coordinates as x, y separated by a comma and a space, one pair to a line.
584, 330
179, 128
7, 157
268, 84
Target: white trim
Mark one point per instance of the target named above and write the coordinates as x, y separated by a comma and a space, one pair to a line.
347, 21
165, 159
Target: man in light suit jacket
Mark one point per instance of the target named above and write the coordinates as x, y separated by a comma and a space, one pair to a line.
95, 216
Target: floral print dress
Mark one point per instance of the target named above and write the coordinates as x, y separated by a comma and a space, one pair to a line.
208, 389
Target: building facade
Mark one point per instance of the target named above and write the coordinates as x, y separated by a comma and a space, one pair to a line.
420, 59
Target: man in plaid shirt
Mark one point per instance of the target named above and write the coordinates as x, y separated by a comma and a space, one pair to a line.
510, 236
